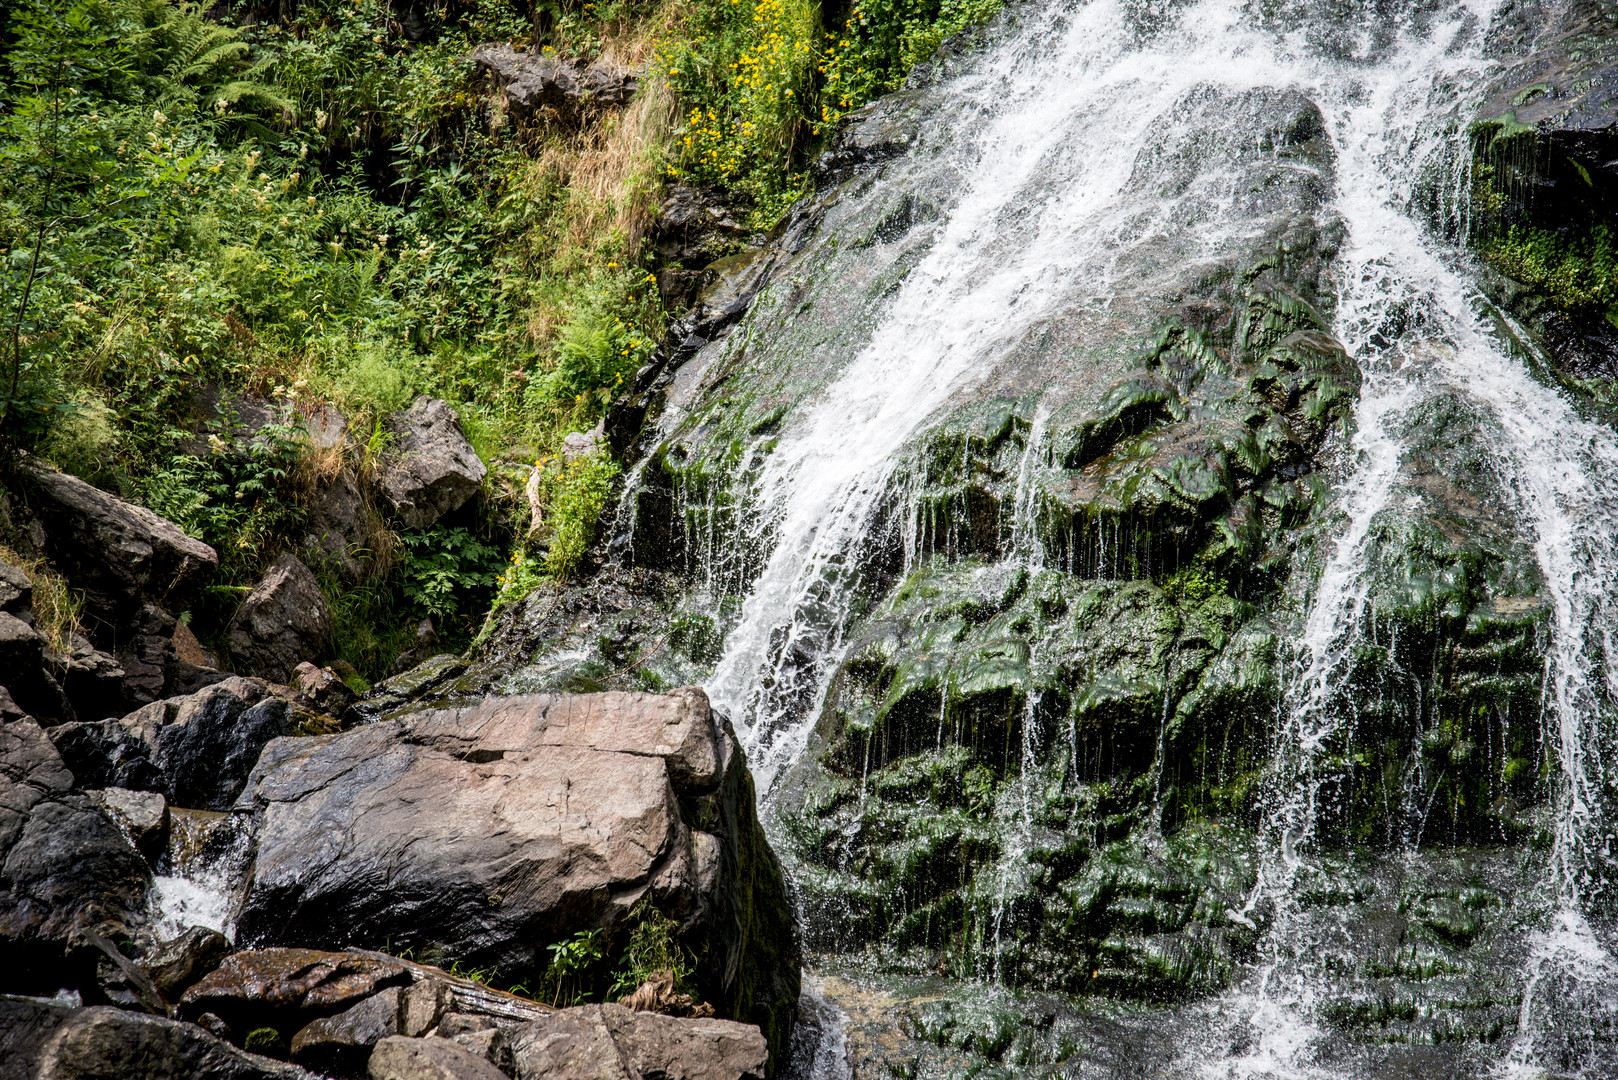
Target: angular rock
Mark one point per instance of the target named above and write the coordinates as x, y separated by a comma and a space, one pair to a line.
433, 468
23, 672
197, 750
16, 592
175, 965
327, 428
283, 622
340, 1045
401, 1058
65, 868
92, 680
118, 554
40, 1040
323, 687
592, 1041
492, 830
536, 83
288, 988
143, 815
341, 530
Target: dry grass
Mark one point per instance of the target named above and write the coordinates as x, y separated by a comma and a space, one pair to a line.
56, 606
600, 187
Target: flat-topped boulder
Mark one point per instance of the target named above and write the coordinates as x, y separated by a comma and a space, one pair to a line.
486, 833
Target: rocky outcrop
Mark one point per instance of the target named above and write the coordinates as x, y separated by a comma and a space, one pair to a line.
340, 530
535, 87
610, 1042
136, 571
41, 1039
399, 1058
197, 750
489, 831
433, 468
65, 868
117, 553
283, 622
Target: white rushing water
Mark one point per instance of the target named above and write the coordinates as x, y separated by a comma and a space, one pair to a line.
1077, 93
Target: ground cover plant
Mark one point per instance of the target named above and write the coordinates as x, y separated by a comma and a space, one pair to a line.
288, 207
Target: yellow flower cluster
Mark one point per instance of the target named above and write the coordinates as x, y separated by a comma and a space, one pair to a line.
764, 87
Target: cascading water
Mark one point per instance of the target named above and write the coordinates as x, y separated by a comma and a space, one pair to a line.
1062, 199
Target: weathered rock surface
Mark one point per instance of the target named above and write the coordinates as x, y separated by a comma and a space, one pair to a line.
175, 965
40, 1040
341, 529
340, 1045
118, 554
288, 988
93, 680
23, 672
400, 1058
433, 468
610, 1042
323, 687
492, 830
283, 622
536, 85
197, 750
65, 868
143, 816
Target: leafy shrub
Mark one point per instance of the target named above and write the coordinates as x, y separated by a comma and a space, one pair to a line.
448, 571
653, 948
578, 493
566, 979
880, 42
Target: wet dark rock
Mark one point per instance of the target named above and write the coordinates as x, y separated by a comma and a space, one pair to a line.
401, 1058
288, 988
39, 1040
610, 1041
419, 682
175, 965
143, 815
283, 622
119, 554
432, 468
323, 687
16, 593
65, 868
197, 750
539, 86
341, 530
340, 1045
92, 680
460, 812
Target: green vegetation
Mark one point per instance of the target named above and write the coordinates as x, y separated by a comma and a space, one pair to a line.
1576, 272
206, 212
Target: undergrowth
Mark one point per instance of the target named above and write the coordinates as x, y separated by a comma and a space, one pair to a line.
302, 207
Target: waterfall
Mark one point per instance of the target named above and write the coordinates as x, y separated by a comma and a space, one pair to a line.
1044, 169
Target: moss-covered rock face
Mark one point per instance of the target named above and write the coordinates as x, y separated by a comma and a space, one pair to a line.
1544, 180
1042, 721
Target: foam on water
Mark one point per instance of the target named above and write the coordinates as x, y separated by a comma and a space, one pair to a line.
1078, 92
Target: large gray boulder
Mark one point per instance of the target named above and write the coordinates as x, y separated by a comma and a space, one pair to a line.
433, 468
491, 831
283, 622
43, 1039
610, 1042
65, 868
400, 1058
341, 529
117, 553
198, 749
